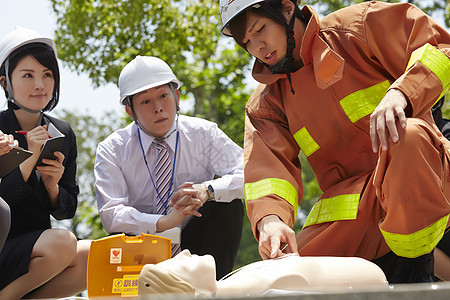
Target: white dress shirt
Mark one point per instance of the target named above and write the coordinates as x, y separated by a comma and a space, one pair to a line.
126, 196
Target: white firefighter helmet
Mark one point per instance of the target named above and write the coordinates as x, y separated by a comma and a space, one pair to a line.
142, 73
231, 8
19, 37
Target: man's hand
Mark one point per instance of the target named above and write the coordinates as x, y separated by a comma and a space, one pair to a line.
171, 220
273, 236
189, 198
386, 119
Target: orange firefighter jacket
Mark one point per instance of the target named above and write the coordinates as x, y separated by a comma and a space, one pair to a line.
351, 58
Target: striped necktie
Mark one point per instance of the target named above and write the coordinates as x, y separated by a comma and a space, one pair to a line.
163, 177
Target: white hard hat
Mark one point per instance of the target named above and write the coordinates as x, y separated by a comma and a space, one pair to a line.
229, 9
19, 37
142, 73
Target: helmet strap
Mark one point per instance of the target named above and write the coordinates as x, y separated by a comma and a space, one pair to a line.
175, 96
284, 65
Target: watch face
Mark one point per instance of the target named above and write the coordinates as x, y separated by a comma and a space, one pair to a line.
210, 192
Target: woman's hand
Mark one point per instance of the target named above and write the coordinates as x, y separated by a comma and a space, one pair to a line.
51, 174
36, 139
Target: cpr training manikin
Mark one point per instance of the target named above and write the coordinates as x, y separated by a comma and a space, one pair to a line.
194, 275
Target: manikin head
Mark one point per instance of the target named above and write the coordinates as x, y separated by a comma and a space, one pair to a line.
185, 273
149, 91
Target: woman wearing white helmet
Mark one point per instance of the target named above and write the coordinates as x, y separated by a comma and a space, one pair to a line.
353, 92
36, 260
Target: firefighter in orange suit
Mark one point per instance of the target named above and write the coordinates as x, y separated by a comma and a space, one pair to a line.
353, 92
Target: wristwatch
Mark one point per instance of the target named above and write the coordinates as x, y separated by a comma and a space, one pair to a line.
211, 192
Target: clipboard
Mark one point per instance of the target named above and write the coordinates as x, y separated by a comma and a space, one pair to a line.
12, 159
51, 145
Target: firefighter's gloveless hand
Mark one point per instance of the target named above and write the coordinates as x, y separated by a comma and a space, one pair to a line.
387, 119
274, 234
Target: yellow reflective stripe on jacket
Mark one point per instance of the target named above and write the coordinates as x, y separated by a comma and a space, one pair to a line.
418, 243
363, 102
342, 207
306, 142
279, 187
434, 60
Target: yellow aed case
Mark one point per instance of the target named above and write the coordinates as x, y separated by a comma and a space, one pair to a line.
115, 262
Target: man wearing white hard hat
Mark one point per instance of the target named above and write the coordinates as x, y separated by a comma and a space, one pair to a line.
133, 198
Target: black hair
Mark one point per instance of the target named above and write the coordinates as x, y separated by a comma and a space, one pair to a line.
44, 54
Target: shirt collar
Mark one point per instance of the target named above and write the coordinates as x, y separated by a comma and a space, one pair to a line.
172, 139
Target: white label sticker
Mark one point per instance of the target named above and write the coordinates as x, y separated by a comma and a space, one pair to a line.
115, 256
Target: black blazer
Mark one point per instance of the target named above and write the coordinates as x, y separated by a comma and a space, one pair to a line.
29, 201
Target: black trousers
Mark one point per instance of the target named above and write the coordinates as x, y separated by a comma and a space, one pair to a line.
444, 243
218, 233
389, 262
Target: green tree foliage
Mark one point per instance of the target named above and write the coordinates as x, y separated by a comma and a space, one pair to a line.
100, 37
446, 107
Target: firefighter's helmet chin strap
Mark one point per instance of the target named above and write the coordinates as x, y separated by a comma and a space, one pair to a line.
284, 66
16, 105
